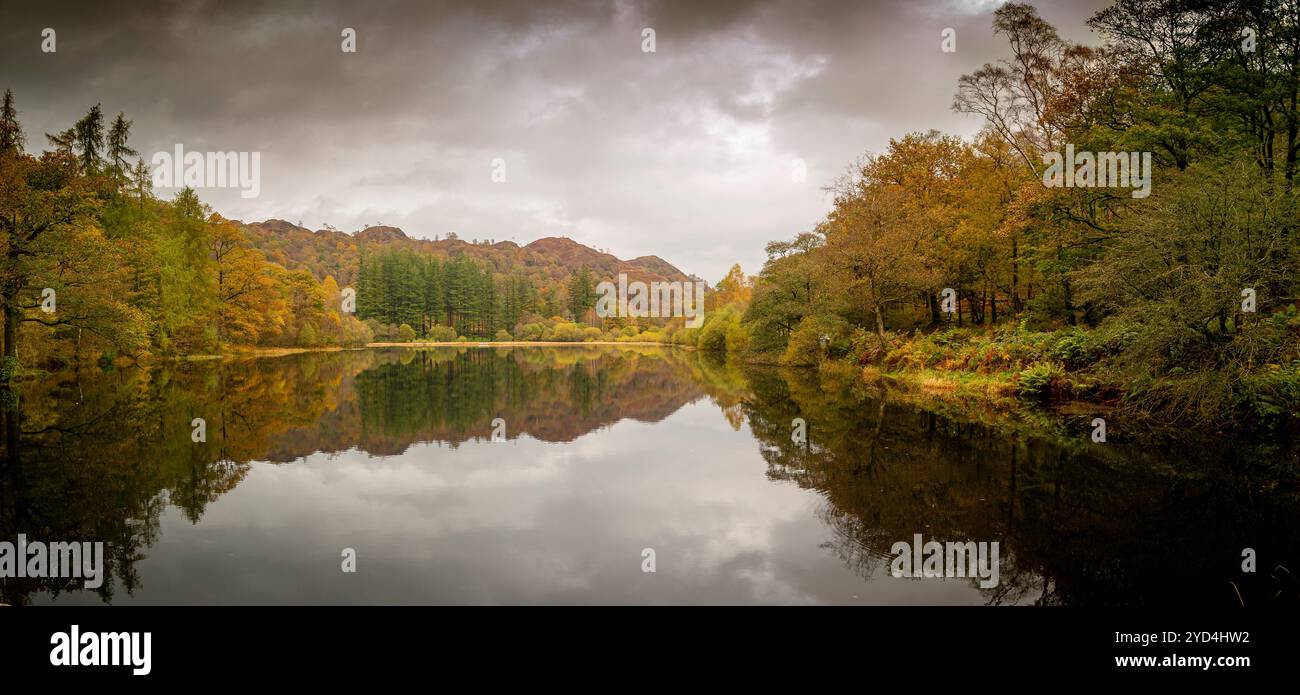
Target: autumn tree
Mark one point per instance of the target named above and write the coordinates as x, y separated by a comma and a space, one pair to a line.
245, 291
119, 151
733, 288
785, 290
42, 205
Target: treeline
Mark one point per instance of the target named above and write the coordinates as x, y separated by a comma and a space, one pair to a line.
93, 265
422, 292
404, 295
1185, 297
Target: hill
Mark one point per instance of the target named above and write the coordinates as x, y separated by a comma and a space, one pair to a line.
547, 261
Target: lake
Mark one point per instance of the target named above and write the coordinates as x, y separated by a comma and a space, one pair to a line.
559, 475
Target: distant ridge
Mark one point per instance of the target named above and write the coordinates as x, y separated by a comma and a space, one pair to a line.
548, 260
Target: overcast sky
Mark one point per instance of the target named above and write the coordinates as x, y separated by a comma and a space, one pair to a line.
689, 152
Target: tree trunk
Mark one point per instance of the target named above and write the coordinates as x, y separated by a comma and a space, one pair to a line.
1069, 301
1015, 276
11, 326
1065, 287
880, 328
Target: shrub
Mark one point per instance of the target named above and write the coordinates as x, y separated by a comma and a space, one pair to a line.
531, 331
805, 345
1070, 348
442, 334
865, 347
405, 333
503, 335
1272, 394
567, 332
307, 336
381, 331
355, 332
737, 338
1037, 381
713, 335
954, 336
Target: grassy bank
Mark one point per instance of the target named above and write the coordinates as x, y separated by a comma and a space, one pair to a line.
1066, 367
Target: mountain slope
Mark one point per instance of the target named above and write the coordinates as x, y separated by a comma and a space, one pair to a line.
546, 261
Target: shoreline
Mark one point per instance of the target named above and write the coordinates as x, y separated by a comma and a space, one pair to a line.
522, 343
281, 352
989, 393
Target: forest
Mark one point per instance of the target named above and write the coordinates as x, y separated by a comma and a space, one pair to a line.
95, 267
98, 268
945, 261
1180, 305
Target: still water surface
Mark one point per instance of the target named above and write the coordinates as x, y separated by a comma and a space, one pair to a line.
607, 452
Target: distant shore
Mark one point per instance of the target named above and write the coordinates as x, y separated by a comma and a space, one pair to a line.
279, 352
521, 343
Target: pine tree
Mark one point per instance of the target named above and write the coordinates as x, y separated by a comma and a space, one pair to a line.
119, 153
582, 294
142, 181
90, 138
11, 132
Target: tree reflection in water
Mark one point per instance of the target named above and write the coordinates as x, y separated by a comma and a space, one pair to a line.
99, 455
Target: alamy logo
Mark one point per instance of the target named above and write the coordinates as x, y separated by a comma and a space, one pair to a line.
1099, 170
950, 559
53, 560
242, 170
658, 300
76, 648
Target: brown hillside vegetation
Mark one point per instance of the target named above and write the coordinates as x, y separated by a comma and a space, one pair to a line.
546, 261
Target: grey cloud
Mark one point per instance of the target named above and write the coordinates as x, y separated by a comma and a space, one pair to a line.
685, 153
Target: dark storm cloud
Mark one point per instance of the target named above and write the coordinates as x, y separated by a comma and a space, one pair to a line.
686, 152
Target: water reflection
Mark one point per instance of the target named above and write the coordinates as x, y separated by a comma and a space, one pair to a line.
608, 451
